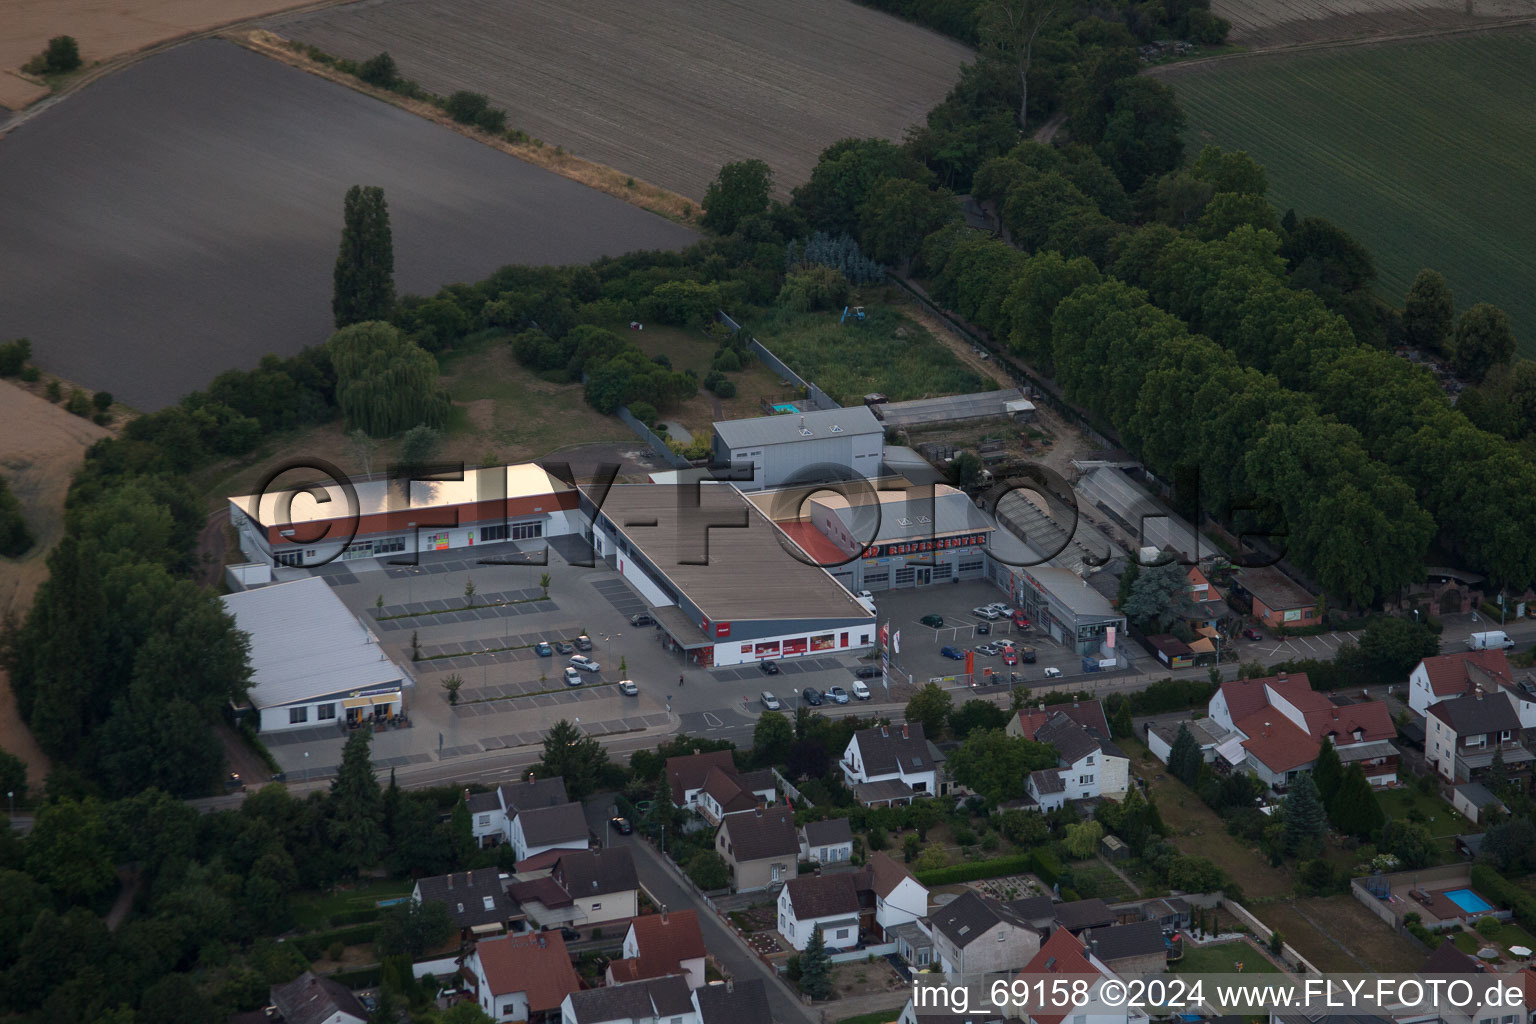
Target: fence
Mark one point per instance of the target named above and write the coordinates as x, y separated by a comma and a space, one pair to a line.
813, 394
1263, 931
788, 789
658, 445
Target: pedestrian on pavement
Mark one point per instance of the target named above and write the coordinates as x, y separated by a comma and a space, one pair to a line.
679, 680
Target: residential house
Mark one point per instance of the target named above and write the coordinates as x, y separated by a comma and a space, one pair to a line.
1445, 676
827, 842
1473, 800
602, 884
687, 774
520, 977
650, 1001
735, 1002
899, 898
660, 944
1464, 735
1081, 915
1128, 949
726, 791
914, 944
1207, 607
491, 813
976, 934
1169, 912
761, 846
543, 901
477, 901
1087, 767
1277, 600
1039, 912
829, 902
898, 754
557, 827
1207, 732
1064, 955
1283, 723
311, 1000
1087, 713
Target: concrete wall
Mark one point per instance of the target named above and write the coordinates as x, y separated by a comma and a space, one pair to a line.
1262, 932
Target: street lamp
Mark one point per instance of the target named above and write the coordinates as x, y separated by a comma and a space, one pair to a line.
10, 796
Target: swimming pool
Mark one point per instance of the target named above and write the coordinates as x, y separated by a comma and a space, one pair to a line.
783, 407
1468, 900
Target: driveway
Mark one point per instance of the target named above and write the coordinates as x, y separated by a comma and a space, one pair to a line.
659, 879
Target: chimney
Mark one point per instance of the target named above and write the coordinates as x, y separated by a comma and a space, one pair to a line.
663, 913
1266, 728
1095, 947
1280, 677
759, 810
450, 880
1335, 713
904, 731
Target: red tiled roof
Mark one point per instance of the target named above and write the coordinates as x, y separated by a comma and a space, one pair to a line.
1371, 717
624, 970
1246, 696
536, 964
540, 861
1448, 672
1062, 953
814, 543
664, 941
1274, 740
1031, 721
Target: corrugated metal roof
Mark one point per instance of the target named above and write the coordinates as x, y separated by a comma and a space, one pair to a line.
949, 408
1071, 590
305, 644
790, 427
1110, 489
375, 496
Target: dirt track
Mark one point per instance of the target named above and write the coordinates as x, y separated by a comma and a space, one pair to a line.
667, 90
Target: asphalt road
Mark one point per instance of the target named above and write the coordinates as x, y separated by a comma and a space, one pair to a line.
660, 880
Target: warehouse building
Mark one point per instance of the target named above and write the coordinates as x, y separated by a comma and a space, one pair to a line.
398, 518
1061, 603
725, 589
895, 537
312, 661
771, 451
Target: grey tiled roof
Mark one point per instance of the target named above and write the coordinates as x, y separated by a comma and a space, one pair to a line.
828, 833
1125, 940
740, 1002
311, 1000
635, 1000
760, 833
966, 919
546, 826
465, 893
1048, 781
884, 748
526, 795
1080, 914
596, 872
1071, 740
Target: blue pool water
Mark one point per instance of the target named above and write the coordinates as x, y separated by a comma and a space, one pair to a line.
785, 408
1468, 900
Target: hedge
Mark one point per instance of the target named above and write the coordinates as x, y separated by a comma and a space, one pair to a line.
315, 944
1047, 866
1490, 883
976, 870
363, 977
362, 916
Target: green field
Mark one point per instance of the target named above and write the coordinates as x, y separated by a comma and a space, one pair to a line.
1424, 151
889, 353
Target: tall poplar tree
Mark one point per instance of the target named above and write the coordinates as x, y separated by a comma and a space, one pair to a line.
365, 266
1328, 774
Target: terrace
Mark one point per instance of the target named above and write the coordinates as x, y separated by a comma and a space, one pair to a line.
1442, 897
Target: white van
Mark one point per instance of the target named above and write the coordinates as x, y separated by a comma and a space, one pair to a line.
1490, 641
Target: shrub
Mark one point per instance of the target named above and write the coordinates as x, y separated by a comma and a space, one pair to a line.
645, 412
61, 56
14, 356
975, 870
491, 120
102, 400
31, 374
726, 389
878, 839
54, 390
380, 71
1487, 925
466, 107
78, 403
727, 361
964, 836
335, 951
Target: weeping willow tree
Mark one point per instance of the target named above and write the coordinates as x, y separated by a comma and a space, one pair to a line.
384, 382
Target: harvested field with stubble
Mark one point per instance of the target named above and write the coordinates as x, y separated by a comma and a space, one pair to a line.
1424, 151
181, 217
1266, 23
667, 91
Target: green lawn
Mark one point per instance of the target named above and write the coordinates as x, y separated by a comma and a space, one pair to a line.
1434, 813
314, 912
888, 353
1095, 876
1424, 151
1219, 959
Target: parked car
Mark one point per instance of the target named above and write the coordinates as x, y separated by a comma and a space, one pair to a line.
621, 826
770, 668
561, 647
811, 696
936, 621
865, 595
583, 643
572, 677
1010, 656
1020, 620
1252, 634
542, 649
770, 702
860, 691
983, 629
584, 663
641, 619
1053, 673
628, 688
1004, 644
837, 695
1027, 655
953, 652
986, 613
866, 672
990, 650
570, 934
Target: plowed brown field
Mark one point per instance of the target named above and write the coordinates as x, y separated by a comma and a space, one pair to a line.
667, 90
1264, 23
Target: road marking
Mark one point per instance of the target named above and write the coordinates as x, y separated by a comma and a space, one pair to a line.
713, 721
